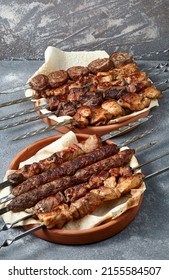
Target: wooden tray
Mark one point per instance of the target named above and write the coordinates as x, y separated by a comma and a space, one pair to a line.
86, 236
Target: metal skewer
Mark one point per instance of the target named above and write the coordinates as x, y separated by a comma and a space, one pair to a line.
21, 100
17, 101
8, 242
32, 119
16, 89
8, 225
151, 53
23, 112
113, 134
103, 138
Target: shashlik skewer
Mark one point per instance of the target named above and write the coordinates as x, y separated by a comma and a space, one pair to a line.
58, 78
23, 173
30, 198
75, 192
51, 127
23, 112
68, 192
87, 115
8, 242
55, 160
129, 141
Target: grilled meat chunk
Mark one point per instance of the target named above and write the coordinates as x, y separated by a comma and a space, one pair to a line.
76, 72
99, 65
113, 108
61, 214
134, 101
58, 78
67, 168
30, 198
120, 58
39, 82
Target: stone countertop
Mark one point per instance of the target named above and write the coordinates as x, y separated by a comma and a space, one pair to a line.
28, 27
147, 236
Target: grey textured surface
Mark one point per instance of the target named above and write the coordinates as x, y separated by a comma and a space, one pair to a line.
28, 27
146, 237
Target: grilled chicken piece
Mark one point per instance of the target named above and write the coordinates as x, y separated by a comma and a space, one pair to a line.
58, 91
81, 118
85, 205
127, 183
113, 108
124, 70
152, 92
134, 101
99, 116
117, 73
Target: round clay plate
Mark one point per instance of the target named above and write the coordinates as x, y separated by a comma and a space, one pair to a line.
86, 236
99, 130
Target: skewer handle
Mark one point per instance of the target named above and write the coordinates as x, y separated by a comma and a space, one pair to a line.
8, 242
17, 101
42, 130
26, 121
8, 225
23, 112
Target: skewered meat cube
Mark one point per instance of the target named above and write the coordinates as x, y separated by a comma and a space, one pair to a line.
58, 78
99, 65
113, 108
117, 73
99, 116
91, 99
152, 92
120, 58
57, 91
134, 101
39, 82
76, 72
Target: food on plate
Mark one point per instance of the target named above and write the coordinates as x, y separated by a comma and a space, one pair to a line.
80, 92
91, 143
77, 186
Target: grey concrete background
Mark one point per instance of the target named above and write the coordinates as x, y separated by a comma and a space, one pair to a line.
26, 29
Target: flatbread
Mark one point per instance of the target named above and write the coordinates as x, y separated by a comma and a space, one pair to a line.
111, 209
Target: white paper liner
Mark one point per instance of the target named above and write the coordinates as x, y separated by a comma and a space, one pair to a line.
56, 59
110, 209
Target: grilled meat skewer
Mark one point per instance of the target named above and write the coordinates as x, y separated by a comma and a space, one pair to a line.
30, 198
27, 171
73, 193
93, 199
8, 242
66, 169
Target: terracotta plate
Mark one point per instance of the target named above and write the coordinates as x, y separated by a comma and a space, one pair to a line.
99, 130
86, 236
